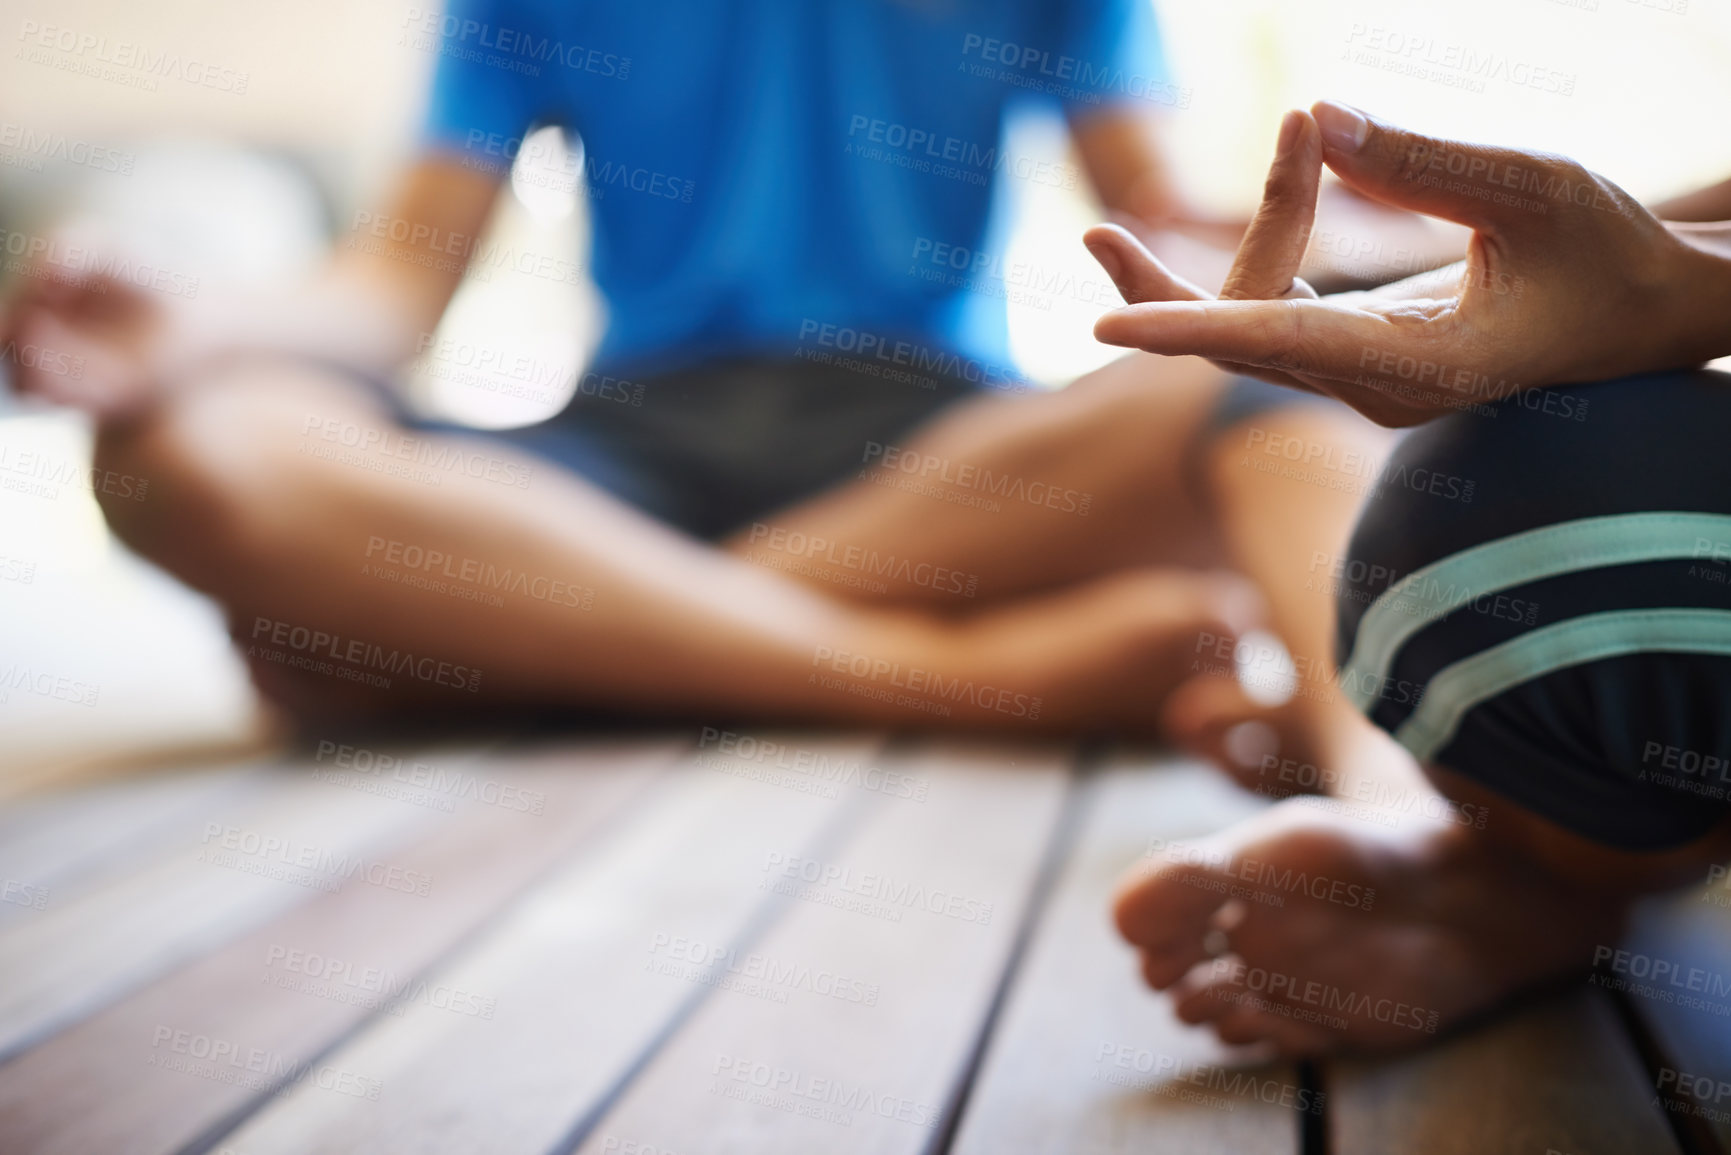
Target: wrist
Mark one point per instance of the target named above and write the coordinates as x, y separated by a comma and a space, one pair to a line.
1699, 292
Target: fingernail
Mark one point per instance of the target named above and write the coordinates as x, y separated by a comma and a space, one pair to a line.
1343, 129
1289, 127
1108, 259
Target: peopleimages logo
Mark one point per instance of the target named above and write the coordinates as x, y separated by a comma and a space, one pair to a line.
123, 61
833, 1100
510, 48
80, 262
316, 644
599, 174
755, 973
927, 150
1162, 1072
227, 1061
424, 776
893, 459
864, 670
863, 560
325, 869
725, 750
874, 886
1072, 78
904, 354
341, 980
40, 145
46, 685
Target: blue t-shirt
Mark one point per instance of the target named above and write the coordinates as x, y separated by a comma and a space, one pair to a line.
760, 168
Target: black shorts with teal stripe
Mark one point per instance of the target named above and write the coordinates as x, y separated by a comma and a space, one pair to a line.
1562, 634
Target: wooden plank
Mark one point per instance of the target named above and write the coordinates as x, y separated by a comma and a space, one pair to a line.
115, 1082
849, 1025
1676, 976
1556, 1075
571, 965
53, 846
1085, 1058
48, 771
221, 876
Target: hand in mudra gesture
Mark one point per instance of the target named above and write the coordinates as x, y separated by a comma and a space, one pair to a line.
1566, 278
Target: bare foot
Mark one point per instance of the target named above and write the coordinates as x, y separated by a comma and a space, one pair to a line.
1331, 934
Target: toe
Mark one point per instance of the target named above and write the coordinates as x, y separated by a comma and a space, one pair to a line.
1296, 1040
1288, 1037
1203, 1002
1164, 965
1229, 603
1169, 908
1212, 717
1161, 604
1243, 1028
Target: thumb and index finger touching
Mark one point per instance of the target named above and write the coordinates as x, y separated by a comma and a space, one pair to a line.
1269, 254
1266, 265
1263, 272
1268, 258
1259, 318
1473, 185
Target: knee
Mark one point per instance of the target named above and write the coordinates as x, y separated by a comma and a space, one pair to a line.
1523, 600
1547, 456
165, 484
192, 484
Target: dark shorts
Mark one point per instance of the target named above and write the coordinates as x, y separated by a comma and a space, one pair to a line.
1246, 397
712, 448
1538, 597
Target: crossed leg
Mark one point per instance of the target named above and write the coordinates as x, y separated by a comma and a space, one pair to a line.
1126, 468
556, 595
1015, 495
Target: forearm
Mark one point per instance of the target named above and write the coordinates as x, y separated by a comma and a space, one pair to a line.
1125, 161
339, 316
1712, 203
1712, 237
386, 285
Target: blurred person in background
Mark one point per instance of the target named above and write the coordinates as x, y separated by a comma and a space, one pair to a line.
763, 177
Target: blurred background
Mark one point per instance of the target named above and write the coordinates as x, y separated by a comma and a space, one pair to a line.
315, 104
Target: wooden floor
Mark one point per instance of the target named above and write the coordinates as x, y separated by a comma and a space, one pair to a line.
649, 946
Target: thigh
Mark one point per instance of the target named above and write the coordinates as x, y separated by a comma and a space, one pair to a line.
259, 456
211, 458
1008, 494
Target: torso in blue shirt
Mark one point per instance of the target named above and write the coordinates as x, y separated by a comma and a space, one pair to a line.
758, 167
